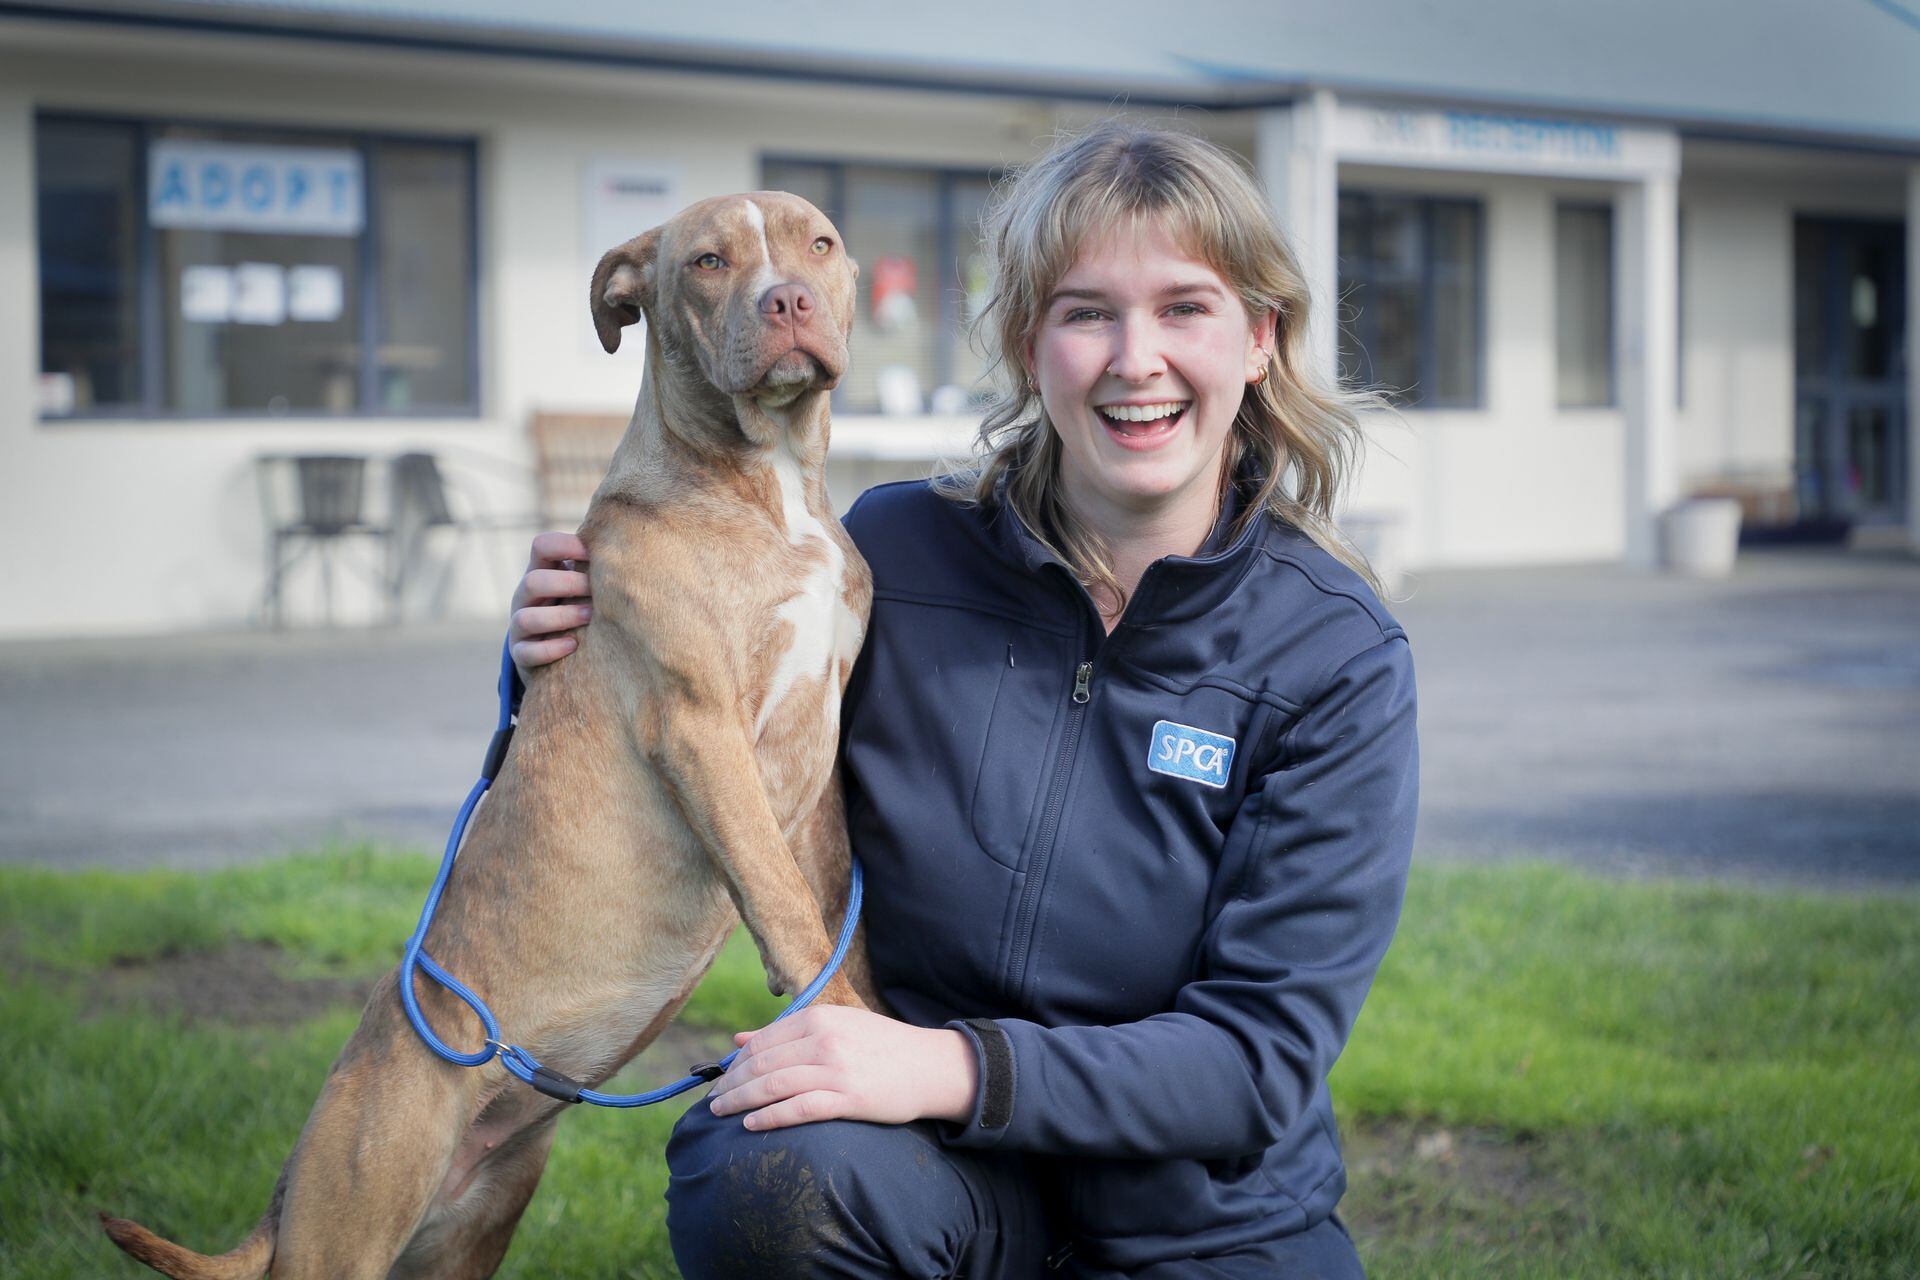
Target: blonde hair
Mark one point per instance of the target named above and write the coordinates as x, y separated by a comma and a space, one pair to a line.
1109, 176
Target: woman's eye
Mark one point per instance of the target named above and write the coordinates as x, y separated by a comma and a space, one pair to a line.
709, 262
1081, 313
1187, 309
823, 245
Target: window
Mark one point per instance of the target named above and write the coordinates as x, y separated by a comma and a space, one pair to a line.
923, 278
1583, 304
1410, 297
194, 270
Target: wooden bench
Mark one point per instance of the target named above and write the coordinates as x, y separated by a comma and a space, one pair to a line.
571, 452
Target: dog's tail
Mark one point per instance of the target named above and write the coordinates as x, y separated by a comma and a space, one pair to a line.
247, 1262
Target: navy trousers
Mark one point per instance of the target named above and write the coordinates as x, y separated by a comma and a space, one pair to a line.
847, 1198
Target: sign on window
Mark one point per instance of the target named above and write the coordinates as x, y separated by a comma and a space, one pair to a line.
237, 187
621, 199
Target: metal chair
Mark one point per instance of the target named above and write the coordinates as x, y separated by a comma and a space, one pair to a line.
422, 500
311, 503
420, 505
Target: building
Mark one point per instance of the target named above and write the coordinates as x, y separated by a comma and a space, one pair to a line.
1610, 255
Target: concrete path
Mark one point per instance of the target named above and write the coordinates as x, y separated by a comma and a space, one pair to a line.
1761, 727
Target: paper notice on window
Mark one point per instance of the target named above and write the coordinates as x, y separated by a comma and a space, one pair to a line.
622, 199
59, 392
259, 293
315, 293
206, 294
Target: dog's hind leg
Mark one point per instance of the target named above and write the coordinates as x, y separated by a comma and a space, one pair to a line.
376, 1148
466, 1238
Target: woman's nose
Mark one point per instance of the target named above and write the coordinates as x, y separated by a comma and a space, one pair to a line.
1136, 356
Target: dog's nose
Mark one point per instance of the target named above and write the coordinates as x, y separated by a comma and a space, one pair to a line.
787, 304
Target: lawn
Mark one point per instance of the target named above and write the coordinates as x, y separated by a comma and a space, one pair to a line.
1556, 1075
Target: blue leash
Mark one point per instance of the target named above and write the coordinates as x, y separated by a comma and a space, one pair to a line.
513, 1057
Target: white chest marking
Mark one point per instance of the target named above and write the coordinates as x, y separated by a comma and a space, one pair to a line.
824, 633
767, 277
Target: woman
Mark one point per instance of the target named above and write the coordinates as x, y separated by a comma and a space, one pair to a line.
1131, 767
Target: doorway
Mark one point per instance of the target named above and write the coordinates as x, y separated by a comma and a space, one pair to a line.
1850, 375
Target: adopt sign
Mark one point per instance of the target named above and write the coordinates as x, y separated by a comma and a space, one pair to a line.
236, 187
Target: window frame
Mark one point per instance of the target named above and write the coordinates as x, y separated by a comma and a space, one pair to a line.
946, 178
1679, 305
1609, 296
1426, 353
148, 284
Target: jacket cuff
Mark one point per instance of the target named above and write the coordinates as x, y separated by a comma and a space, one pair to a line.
993, 1102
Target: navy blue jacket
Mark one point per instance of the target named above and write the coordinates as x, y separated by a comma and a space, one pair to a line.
1149, 874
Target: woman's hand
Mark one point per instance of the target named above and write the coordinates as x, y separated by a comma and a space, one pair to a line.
553, 597
830, 1062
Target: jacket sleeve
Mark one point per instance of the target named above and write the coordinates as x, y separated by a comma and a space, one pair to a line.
1280, 972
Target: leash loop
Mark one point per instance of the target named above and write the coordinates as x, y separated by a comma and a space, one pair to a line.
516, 1059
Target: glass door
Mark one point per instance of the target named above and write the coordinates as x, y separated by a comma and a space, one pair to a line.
1850, 375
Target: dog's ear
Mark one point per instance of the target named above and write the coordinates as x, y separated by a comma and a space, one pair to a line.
623, 287
846, 329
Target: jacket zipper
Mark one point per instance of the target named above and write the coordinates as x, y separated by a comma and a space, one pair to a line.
1049, 826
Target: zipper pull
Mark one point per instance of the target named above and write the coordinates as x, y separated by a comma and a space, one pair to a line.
1082, 678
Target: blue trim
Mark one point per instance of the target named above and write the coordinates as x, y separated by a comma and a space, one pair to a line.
1897, 11
368, 261
153, 352
946, 274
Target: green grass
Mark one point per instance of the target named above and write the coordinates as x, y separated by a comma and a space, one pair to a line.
1555, 1075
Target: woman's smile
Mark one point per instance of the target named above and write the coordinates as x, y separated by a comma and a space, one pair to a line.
1143, 426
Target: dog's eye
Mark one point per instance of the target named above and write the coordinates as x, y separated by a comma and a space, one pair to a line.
823, 245
709, 262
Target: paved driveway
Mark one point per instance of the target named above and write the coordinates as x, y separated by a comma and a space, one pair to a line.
1766, 726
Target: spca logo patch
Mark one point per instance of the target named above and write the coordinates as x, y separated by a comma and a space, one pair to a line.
1182, 751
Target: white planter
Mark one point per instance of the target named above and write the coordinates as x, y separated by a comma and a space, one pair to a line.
1701, 536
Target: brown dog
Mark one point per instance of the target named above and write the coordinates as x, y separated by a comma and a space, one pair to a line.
673, 776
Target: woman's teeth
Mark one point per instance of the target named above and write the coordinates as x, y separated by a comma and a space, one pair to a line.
1141, 412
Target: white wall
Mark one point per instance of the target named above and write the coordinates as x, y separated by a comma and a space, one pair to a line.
145, 526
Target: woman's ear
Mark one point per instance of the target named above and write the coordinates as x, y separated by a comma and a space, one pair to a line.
1261, 342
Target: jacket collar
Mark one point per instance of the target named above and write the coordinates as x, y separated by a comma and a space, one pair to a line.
1174, 588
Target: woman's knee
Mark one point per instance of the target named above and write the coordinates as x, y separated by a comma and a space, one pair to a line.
777, 1202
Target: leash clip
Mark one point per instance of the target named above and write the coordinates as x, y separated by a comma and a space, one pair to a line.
708, 1071
555, 1085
